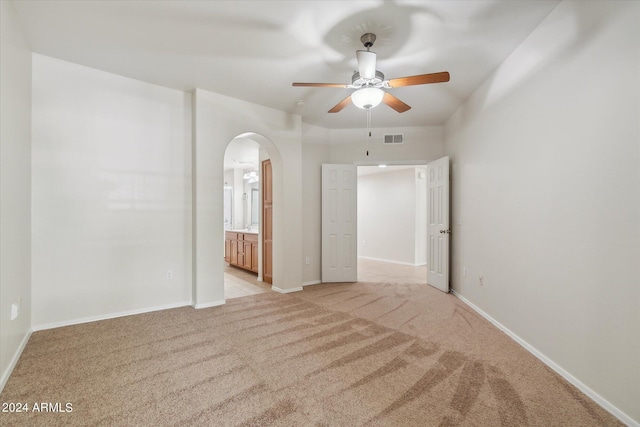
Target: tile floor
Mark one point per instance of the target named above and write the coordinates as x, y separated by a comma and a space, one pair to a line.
381, 271
240, 283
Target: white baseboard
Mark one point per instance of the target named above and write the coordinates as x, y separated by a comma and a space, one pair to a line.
209, 304
14, 361
550, 363
286, 291
391, 261
311, 282
108, 316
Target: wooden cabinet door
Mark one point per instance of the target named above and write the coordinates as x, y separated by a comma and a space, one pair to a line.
254, 257
233, 252
248, 255
227, 250
240, 260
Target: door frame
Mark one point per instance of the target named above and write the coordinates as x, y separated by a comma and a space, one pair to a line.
416, 163
266, 224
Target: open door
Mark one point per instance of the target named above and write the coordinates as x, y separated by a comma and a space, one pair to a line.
438, 231
339, 223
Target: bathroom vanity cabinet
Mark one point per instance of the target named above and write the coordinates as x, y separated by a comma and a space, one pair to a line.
241, 250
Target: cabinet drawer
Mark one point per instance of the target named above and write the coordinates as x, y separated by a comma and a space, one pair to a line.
230, 235
250, 237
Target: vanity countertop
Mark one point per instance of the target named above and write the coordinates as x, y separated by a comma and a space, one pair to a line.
244, 230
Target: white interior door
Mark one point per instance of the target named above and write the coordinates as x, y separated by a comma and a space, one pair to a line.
438, 231
339, 223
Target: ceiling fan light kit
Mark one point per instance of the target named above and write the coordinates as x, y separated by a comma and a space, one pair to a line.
367, 97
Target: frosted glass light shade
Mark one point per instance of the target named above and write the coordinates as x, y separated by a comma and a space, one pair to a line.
252, 176
367, 97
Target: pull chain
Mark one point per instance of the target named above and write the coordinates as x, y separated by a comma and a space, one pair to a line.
368, 127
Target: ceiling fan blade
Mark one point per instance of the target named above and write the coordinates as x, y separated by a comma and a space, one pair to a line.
366, 63
395, 103
340, 105
420, 79
340, 85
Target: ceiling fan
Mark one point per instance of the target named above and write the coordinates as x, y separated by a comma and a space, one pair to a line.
369, 82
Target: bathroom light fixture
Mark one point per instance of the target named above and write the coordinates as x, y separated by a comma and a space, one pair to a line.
252, 176
367, 97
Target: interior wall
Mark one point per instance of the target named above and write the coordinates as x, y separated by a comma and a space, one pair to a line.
15, 188
111, 195
238, 203
546, 197
420, 175
421, 145
315, 152
387, 216
219, 119
229, 182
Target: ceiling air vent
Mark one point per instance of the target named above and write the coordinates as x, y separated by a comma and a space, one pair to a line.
394, 139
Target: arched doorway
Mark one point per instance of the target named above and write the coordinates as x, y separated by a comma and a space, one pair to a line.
217, 121
247, 218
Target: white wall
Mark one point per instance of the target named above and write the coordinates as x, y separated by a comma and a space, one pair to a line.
315, 152
15, 188
111, 194
420, 175
218, 120
238, 190
387, 216
546, 196
421, 145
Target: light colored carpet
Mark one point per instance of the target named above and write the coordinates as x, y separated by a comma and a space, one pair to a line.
361, 354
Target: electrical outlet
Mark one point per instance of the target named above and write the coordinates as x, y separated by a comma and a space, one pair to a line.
464, 271
307, 260
169, 274
481, 281
364, 243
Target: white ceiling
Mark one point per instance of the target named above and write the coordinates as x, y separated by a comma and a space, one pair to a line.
254, 50
242, 153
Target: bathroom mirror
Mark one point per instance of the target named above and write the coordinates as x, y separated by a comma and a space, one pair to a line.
255, 204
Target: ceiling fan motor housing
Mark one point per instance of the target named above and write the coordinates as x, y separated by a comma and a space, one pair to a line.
357, 81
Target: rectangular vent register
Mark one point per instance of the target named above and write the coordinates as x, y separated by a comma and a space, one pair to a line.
394, 139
